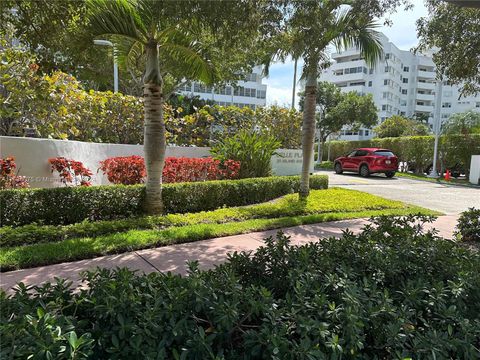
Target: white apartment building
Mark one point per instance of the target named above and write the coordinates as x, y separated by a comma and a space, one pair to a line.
250, 92
402, 83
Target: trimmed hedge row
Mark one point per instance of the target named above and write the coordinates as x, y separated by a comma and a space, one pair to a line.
417, 151
70, 205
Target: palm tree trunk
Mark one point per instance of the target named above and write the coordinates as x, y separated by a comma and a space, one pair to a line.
154, 133
308, 131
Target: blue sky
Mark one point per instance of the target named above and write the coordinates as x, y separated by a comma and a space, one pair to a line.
402, 33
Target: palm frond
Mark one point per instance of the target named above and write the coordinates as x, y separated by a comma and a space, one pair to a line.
182, 56
128, 53
116, 17
356, 30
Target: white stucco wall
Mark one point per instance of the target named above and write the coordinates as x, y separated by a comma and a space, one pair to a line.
475, 170
31, 156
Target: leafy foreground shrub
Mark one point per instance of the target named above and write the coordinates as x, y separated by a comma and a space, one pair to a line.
392, 292
254, 152
70, 205
468, 227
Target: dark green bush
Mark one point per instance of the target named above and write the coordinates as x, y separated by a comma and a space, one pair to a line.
468, 227
392, 292
74, 204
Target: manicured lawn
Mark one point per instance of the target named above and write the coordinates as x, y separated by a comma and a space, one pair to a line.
41, 245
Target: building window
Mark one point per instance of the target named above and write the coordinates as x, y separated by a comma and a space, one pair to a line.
370, 85
406, 69
446, 105
367, 132
371, 71
385, 82
384, 107
261, 94
405, 80
477, 105
387, 56
404, 91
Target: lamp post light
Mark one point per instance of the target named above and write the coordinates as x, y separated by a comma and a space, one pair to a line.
437, 124
115, 65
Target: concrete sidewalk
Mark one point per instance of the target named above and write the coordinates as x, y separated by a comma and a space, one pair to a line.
208, 252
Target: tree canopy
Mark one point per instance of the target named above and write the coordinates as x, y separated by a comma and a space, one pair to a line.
455, 31
462, 124
397, 126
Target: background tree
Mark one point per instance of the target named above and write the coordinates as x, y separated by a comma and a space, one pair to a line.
397, 126
336, 110
309, 38
462, 123
455, 31
54, 32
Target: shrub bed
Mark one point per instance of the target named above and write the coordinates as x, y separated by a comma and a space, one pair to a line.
74, 204
391, 292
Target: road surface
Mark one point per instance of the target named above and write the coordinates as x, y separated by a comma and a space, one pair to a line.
448, 199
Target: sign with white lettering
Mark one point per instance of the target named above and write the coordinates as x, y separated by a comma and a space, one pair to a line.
288, 162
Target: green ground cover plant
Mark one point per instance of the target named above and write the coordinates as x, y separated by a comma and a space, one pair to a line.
34, 245
68, 205
392, 292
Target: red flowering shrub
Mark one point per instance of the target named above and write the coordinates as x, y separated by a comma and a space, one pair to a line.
129, 170
8, 178
71, 171
126, 170
192, 169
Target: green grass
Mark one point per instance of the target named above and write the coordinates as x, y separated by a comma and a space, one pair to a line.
423, 177
321, 206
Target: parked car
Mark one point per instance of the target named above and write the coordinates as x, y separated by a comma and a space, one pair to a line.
368, 161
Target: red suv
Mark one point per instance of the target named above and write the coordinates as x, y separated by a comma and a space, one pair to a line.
367, 161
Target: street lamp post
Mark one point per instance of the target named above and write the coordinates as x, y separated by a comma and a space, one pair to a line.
437, 124
115, 65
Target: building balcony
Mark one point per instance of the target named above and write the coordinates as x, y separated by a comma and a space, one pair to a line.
348, 64
424, 108
426, 85
360, 76
426, 74
425, 97
349, 52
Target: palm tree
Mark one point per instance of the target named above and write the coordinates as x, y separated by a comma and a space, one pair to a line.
142, 28
311, 27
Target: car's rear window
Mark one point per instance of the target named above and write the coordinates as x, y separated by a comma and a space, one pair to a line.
384, 153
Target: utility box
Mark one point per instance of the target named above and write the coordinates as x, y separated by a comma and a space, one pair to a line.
475, 170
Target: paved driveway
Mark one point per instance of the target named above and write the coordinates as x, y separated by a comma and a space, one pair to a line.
445, 198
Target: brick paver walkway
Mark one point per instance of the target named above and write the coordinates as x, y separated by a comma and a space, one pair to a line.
208, 252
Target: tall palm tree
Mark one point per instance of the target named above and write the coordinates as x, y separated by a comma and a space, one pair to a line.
313, 26
143, 27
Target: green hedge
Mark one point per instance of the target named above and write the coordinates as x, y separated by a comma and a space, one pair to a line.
70, 205
390, 292
417, 151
